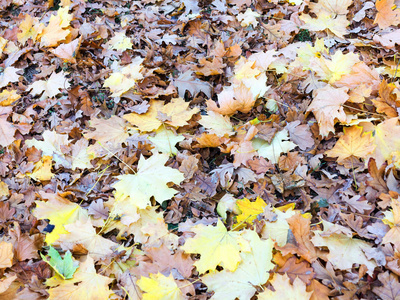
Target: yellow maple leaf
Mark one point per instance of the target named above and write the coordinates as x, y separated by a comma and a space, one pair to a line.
124, 78
251, 272
249, 210
233, 99
86, 284
120, 42
388, 13
165, 141
333, 69
306, 54
216, 123
3, 43
284, 290
42, 169
151, 173
353, 143
147, 225
148, 121
8, 97
177, 113
335, 23
216, 246
29, 29
60, 212
55, 31
160, 287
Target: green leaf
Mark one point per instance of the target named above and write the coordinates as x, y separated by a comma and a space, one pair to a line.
64, 267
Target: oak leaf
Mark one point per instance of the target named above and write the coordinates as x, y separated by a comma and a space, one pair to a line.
300, 134
187, 82
151, 173
387, 103
249, 210
60, 212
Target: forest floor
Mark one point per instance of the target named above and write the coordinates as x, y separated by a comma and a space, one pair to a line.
240, 149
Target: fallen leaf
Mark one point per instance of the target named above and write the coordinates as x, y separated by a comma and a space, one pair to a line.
158, 286
216, 246
251, 272
285, 290
6, 255
354, 143
140, 186
327, 108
